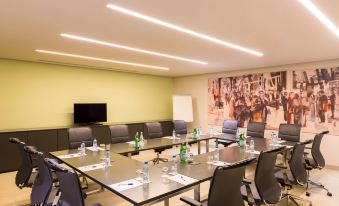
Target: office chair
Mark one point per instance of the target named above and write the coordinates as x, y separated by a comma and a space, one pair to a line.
77, 135
256, 129
42, 185
180, 126
120, 134
70, 188
316, 162
296, 175
154, 130
289, 132
225, 186
265, 189
229, 130
25, 176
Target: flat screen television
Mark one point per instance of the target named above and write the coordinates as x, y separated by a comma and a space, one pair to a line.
89, 113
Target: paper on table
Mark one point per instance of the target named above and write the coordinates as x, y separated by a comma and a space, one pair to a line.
254, 152
66, 156
95, 150
288, 146
218, 163
125, 185
182, 179
170, 137
92, 167
131, 142
281, 141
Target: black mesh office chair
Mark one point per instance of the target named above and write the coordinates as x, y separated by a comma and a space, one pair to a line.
316, 162
120, 134
180, 126
289, 132
70, 188
77, 135
256, 129
296, 175
154, 130
225, 186
42, 185
265, 189
25, 176
229, 130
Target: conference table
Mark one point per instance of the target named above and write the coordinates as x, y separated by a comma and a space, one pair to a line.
124, 169
127, 148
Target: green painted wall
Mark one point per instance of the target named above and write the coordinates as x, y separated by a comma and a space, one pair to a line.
42, 95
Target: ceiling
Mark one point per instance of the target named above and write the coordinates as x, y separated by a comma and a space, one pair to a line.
285, 31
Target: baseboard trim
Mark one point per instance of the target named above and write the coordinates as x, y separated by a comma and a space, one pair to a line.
332, 167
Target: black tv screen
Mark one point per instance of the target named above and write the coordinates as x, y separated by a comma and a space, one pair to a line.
90, 113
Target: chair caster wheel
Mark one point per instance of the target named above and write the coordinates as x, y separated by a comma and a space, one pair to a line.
308, 194
329, 194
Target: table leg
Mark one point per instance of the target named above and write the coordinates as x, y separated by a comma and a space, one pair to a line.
197, 193
166, 202
129, 155
199, 147
207, 145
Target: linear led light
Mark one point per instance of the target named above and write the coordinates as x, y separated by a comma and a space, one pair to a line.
129, 48
99, 59
321, 16
178, 28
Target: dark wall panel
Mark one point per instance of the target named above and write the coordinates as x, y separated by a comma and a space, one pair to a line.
44, 140
102, 134
62, 139
9, 155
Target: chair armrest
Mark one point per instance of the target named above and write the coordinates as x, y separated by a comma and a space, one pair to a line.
308, 147
280, 166
247, 181
190, 201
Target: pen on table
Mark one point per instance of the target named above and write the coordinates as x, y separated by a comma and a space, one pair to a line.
125, 184
182, 178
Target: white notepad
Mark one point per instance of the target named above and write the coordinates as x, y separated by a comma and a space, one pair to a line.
182, 179
254, 152
170, 137
92, 167
281, 141
218, 163
95, 150
125, 185
70, 155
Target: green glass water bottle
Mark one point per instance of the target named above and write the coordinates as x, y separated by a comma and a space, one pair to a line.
183, 151
195, 133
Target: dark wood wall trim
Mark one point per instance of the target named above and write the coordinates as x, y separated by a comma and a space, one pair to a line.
48, 140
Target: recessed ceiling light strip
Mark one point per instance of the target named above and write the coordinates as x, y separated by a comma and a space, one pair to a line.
321, 16
99, 59
81, 38
181, 29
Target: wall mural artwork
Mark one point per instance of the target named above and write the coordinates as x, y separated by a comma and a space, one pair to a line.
304, 97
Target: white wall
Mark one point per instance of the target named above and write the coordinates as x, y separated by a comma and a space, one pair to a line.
197, 87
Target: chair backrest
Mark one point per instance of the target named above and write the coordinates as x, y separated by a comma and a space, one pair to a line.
42, 185
180, 126
77, 135
316, 153
230, 126
265, 181
289, 132
26, 166
119, 133
226, 183
256, 129
153, 130
297, 163
70, 188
